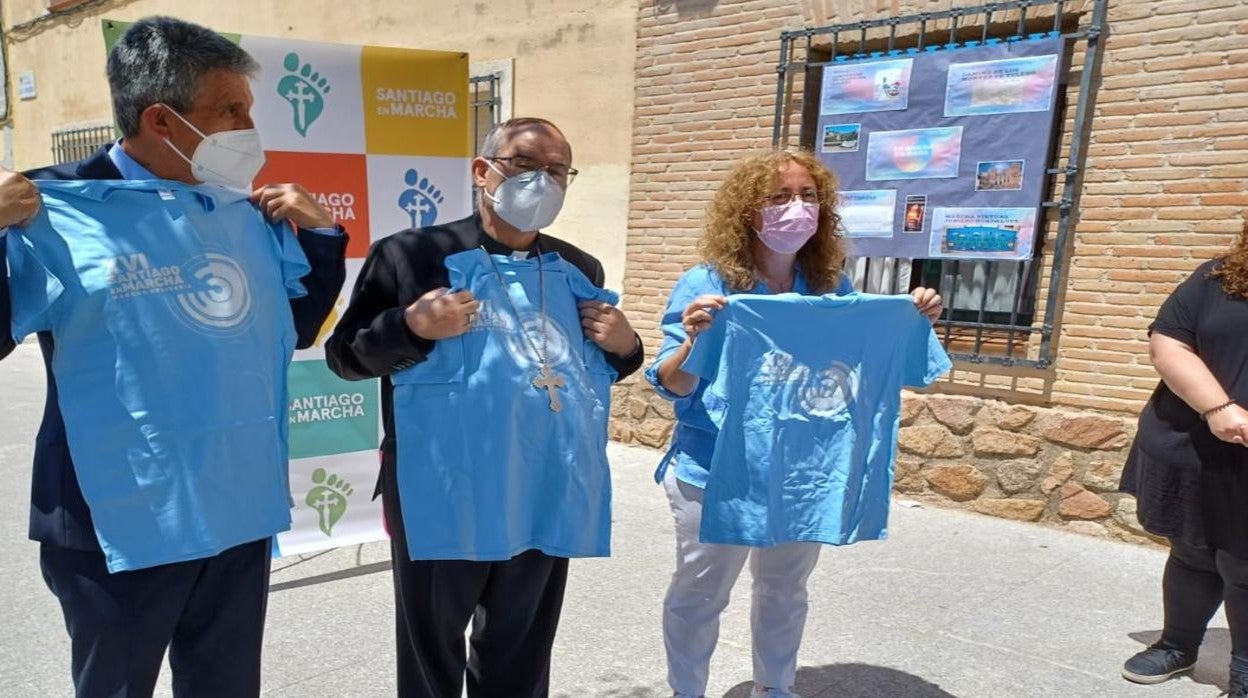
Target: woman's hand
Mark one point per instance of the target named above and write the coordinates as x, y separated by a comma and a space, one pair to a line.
1230, 425
928, 302
699, 314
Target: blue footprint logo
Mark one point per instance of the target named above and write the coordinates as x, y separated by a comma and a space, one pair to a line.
420, 200
305, 89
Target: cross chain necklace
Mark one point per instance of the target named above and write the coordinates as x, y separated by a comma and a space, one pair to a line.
546, 378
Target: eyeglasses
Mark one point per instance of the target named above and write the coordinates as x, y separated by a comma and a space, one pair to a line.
784, 198
522, 163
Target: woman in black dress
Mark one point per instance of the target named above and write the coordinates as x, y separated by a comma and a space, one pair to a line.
1188, 467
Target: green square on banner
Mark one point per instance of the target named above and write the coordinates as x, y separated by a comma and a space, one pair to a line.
328, 415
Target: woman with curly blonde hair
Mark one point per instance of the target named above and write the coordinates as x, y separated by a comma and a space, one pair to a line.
1188, 467
772, 227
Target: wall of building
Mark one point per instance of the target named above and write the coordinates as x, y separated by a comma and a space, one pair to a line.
573, 63
1166, 189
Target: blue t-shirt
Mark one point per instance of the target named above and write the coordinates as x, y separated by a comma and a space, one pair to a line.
486, 469
693, 440
169, 306
806, 392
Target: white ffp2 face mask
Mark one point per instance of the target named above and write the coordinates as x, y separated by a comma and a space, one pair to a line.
228, 158
528, 201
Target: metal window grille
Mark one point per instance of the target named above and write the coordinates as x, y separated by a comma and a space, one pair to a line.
1005, 312
485, 106
70, 145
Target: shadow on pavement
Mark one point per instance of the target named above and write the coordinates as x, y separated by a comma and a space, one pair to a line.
371, 568
1213, 667
855, 681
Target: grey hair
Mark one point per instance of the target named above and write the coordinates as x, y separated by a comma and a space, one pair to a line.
161, 60
498, 136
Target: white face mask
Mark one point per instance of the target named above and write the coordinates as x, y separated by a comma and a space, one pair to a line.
528, 201
228, 158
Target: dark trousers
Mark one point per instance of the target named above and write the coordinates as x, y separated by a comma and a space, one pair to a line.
209, 615
513, 606
1195, 583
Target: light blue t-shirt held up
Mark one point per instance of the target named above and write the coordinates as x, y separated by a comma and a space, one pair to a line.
806, 394
486, 469
169, 307
693, 441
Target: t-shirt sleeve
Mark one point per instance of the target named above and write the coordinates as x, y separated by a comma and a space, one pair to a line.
926, 358
1180, 313
583, 289
34, 287
695, 282
708, 347
295, 264
845, 285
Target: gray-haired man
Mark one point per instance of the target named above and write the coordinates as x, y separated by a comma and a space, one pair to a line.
183, 102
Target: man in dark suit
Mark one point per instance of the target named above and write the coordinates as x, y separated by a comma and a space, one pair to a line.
180, 92
400, 309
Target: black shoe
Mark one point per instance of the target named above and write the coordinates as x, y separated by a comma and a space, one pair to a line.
1156, 664
1239, 686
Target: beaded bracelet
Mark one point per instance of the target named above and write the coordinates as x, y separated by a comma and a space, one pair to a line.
1212, 411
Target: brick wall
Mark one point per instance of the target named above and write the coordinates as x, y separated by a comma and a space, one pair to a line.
1165, 190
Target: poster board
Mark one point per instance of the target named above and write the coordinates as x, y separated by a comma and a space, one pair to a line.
942, 153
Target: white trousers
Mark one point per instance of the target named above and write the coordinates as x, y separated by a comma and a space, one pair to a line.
702, 584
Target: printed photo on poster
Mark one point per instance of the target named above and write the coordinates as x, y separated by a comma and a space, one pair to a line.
841, 138
915, 215
999, 175
927, 153
868, 213
866, 87
1009, 86
983, 233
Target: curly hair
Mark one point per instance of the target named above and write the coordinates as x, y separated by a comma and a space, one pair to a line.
727, 243
1233, 269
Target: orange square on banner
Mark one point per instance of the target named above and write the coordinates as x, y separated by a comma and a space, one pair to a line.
339, 182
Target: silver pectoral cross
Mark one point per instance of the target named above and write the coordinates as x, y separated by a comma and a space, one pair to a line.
548, 380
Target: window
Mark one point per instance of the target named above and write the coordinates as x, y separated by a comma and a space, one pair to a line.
489, 88
73, 144
998, 312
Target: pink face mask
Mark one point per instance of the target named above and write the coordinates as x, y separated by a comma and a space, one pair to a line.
786, 228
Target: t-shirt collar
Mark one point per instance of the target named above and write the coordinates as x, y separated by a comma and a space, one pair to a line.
126, 165
493, 246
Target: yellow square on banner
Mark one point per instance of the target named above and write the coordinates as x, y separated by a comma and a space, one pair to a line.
416, 102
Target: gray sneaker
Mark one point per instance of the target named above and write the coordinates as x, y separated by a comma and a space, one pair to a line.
1157, 664
1239, 686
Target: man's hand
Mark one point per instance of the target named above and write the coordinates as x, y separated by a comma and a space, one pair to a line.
291, 202
19, 199
440, 314
1230, 424
928, 302
606, 326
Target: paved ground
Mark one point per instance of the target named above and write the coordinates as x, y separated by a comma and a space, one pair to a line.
952, 605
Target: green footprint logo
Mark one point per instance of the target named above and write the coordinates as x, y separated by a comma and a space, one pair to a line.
305, 89
329, 498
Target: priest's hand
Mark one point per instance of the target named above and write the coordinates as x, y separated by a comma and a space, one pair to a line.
291, 202
606, 326
440, 314
19, 199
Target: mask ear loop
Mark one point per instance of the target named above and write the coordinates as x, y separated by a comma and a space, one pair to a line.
493, 199
171, 110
